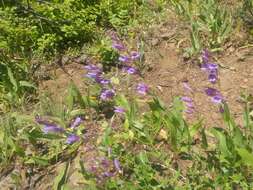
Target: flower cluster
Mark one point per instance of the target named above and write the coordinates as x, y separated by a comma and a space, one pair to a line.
95, 73
50, 127
104, 168
125, 57
210, 68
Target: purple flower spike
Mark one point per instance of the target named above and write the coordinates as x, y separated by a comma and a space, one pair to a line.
124, 58
52, 129
186, 99
118, 109
107, 94
135, 55
117, 165
72, 139
129, 70
76, 122
142, 89
118, 46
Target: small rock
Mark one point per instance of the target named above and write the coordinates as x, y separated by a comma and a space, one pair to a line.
154, 42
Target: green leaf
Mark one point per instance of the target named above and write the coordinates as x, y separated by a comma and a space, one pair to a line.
60, 180
246, 156
26, 84
12, 79
222, 142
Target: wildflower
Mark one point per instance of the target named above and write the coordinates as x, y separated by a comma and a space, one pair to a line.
215, 95
142, 89
41, 121
212, 77
72, 139
117, 165
217, 99
118, 109
107, 94
211, 91
129, 70
93, 75
101, 80
124, 58
186, 99
92, 68
107, 174
105, 163
135, 55
76, 122
118, 46
52, 129
209, 66
188, 102
189, 111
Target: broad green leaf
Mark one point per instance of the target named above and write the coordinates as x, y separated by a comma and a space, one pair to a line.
222, 142
26, 84
247, 157
12, 79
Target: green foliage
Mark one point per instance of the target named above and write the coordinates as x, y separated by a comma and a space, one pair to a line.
210, 23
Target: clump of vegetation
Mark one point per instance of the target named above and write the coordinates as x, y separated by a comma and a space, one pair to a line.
118, 134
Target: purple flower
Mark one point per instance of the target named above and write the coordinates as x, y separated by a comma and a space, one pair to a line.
215, 95
52, 129
93, 75
92, 68
189, 105
135, 55
129, 70
217, 99
107, 94
76, 122
118, 46
186, 99
124, 58
142, 89
101, 80
107, 174
118, 109
212, 91
212, 77
117, 165
72, 139
189, 111
105, 163
42, 121
209, 66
